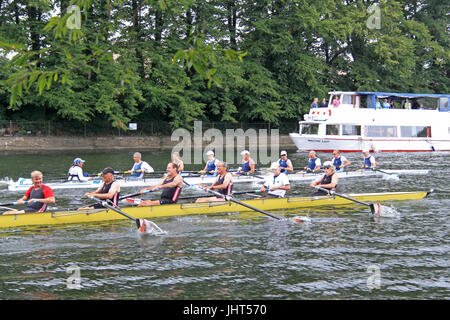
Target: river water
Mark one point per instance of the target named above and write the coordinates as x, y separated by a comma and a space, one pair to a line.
343, 253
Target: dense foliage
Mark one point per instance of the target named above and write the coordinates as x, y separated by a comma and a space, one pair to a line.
228, 60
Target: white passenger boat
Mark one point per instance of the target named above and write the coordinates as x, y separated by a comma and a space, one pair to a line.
22, 184
412, 122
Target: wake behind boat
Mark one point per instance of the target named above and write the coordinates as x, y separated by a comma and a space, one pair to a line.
181, 209
23, 184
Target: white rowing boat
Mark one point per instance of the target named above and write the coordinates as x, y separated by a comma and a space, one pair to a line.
22, 184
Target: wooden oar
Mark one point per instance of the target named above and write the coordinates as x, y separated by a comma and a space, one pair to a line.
230, 198
141, 224
370, 205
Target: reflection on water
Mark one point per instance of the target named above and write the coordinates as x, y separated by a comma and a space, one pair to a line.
242, 256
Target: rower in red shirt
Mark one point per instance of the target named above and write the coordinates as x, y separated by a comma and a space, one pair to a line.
37, 197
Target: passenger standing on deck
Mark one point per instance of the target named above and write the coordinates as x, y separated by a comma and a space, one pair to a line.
339, 162
176, 159
39, 196
109, 189
140, 167
223, 184
277, 183
171, 185
210, 168
324, 103
336, 101
314, 163
315, 103
76, 171
248, 165
328, 181
378, 104
285, 163
369, 161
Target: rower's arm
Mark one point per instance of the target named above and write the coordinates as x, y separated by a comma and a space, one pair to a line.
177, 182
49, 200
290, 167
317, 182
147, 168
252, 166
346, 163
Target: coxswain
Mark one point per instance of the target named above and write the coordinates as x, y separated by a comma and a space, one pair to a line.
369, 161
223, 184
248, 165
277, 183
339, 162
176, 159
328, 181
210, 168
109, 189
37, 196
76, 171
171, 186
140, 167
285, 163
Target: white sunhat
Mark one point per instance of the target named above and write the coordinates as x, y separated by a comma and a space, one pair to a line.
78, 160
283, 153
328, 164
274, 166
210, 152
366, 151
245, 152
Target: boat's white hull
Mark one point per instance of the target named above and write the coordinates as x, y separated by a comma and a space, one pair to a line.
23, 184
326, 144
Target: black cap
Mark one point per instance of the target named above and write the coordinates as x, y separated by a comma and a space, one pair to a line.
108, 170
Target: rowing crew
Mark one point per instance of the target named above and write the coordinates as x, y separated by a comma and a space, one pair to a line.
211, 168
139, 169
339, 162
277, 184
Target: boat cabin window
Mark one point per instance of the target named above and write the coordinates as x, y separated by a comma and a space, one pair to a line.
381, 131
351, 130
443, 103
309, 128
332, 129
415, 131
424, 103
347, 99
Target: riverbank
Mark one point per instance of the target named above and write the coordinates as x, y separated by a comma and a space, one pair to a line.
36, 144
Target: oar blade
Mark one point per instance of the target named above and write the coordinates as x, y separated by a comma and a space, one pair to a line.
148, 227
372, 208
300, 219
